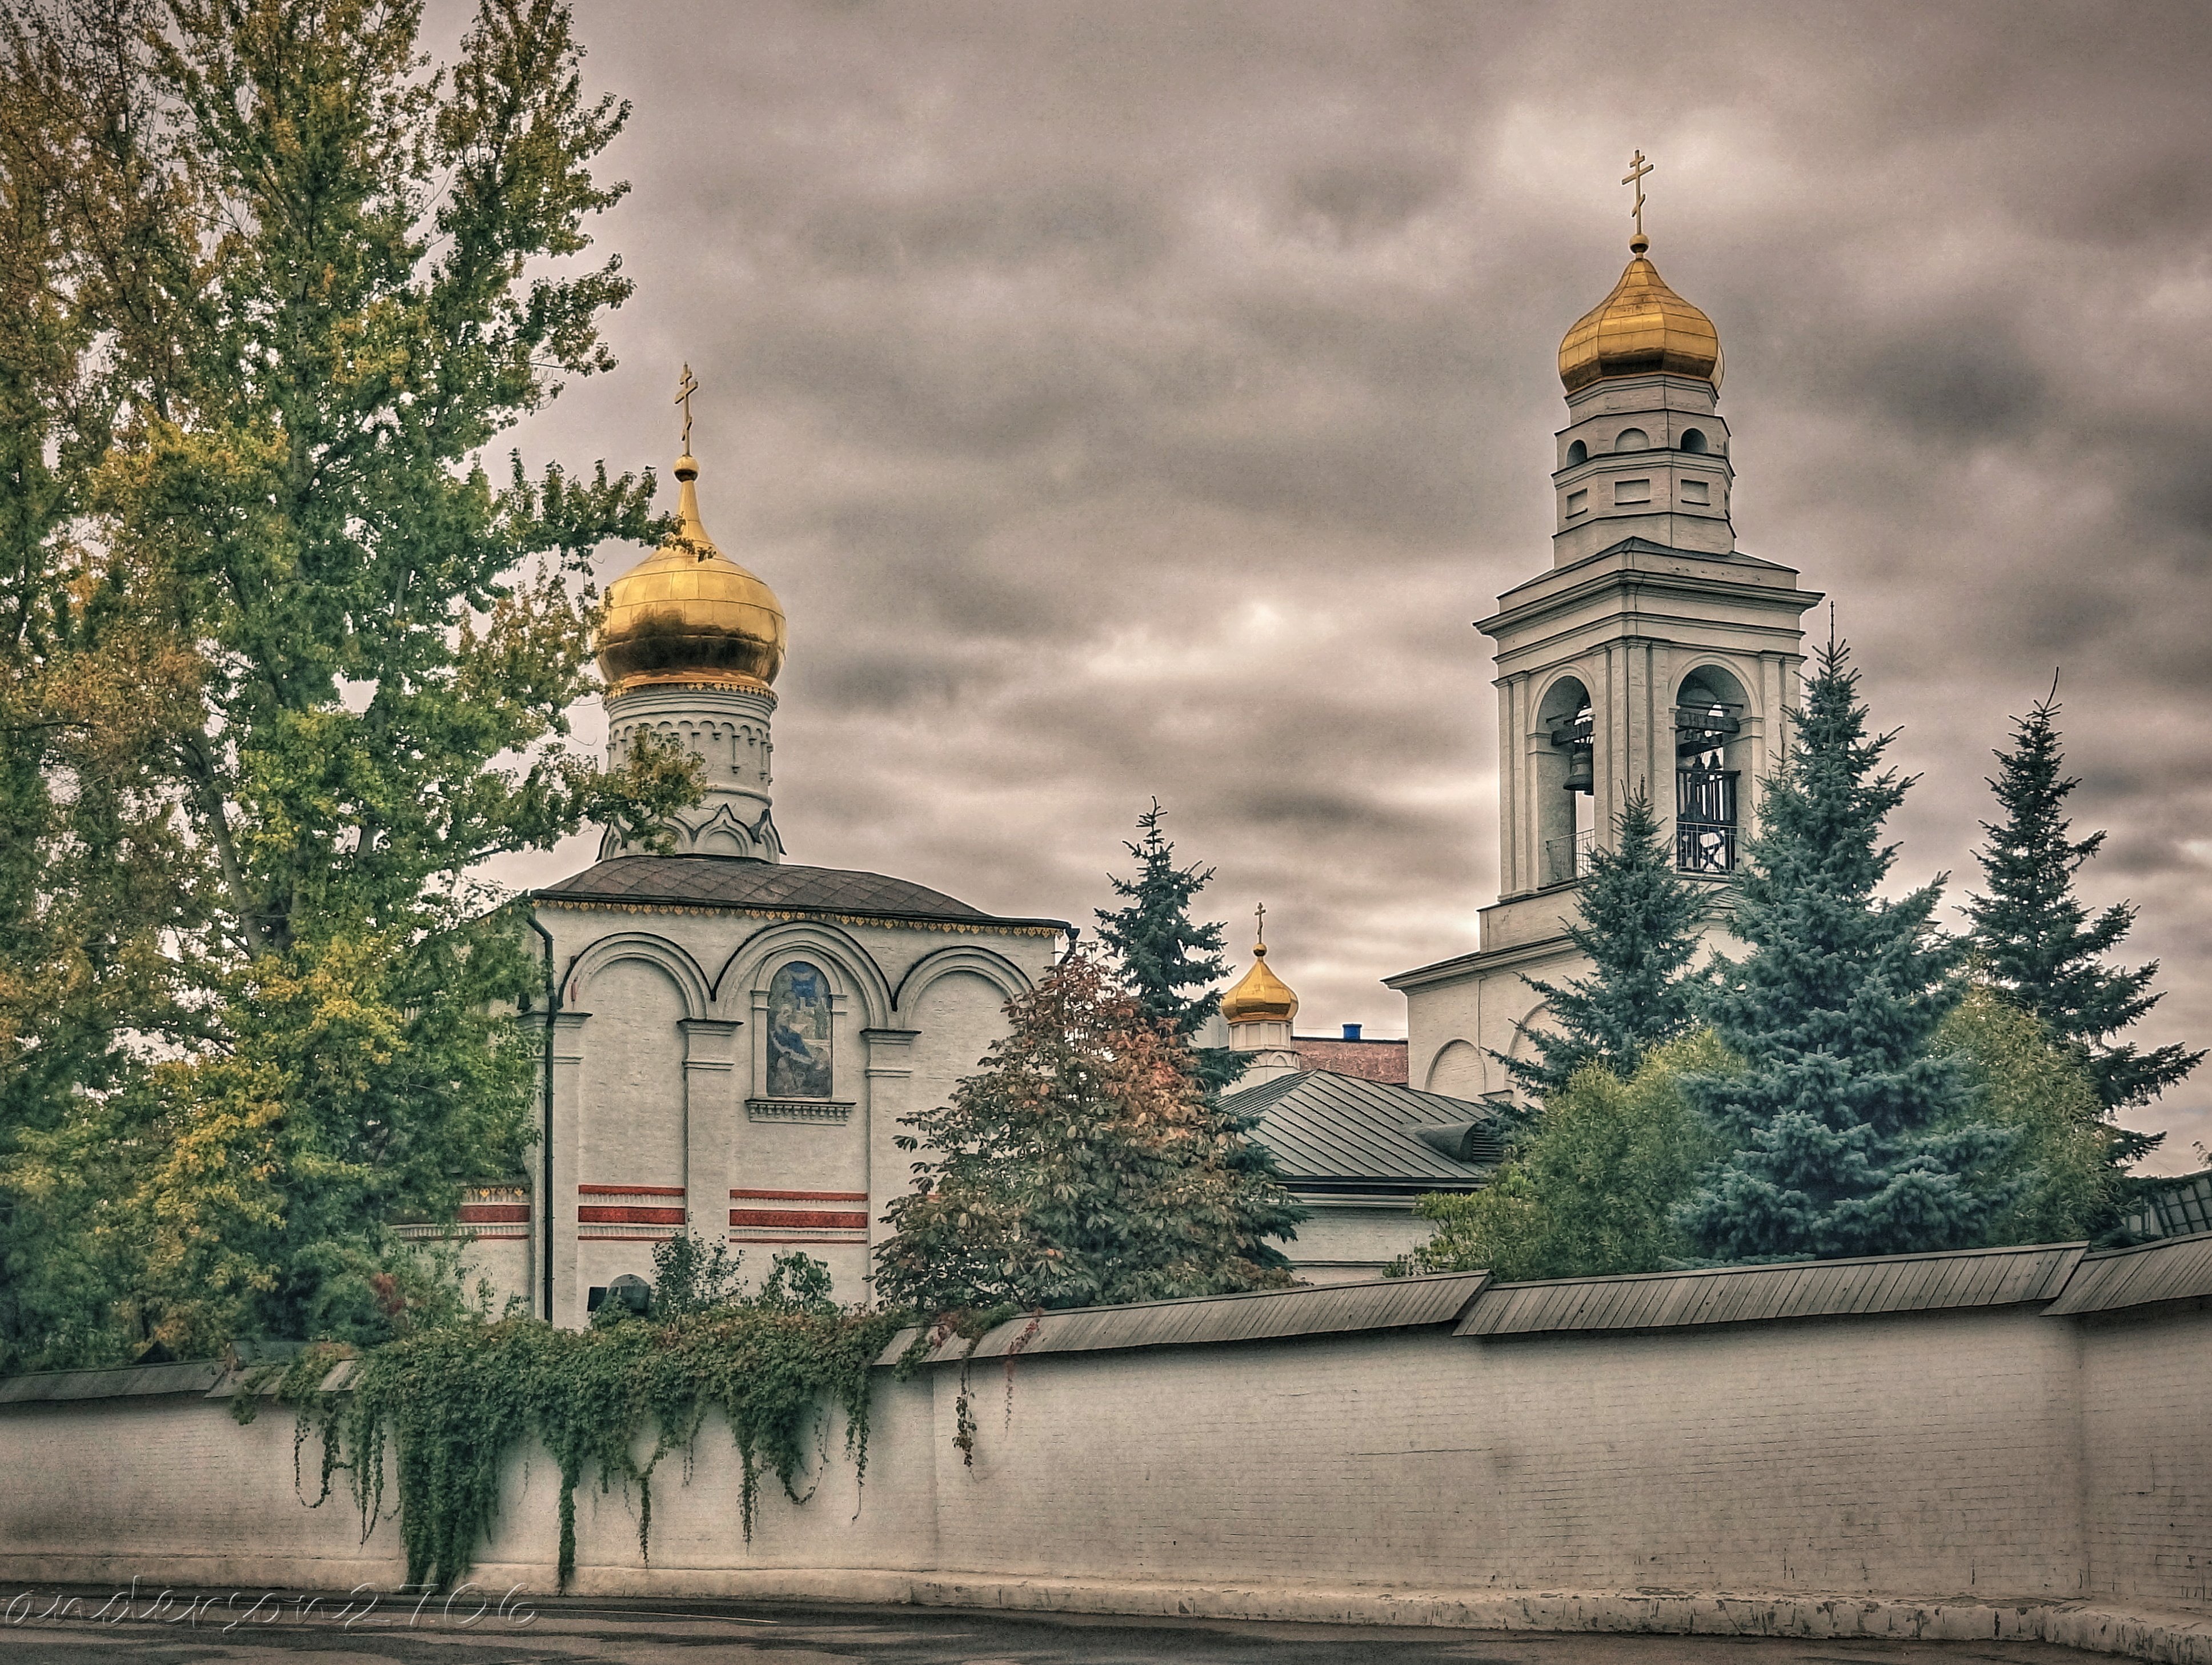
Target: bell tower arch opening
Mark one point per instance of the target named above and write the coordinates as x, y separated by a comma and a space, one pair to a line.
1565, 771
1710, 708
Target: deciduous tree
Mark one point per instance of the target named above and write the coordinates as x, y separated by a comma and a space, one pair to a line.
287, 286
1081, 1165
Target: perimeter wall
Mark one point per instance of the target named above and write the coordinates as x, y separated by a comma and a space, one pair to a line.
1994, 1453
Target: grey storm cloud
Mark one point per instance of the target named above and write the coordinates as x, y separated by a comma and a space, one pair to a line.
1131, 399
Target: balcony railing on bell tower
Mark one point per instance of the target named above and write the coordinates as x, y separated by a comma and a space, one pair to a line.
1705, 787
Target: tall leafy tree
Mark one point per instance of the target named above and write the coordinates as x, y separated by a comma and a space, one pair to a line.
2042, 950
1081, 1165
1171, 961
293, 285
2057, 1182
1851, 1133
1639, 928
1593, 1183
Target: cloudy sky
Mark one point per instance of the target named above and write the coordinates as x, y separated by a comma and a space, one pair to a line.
1136, 399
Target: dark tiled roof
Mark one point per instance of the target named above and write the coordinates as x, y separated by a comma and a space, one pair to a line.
1324, 1127
727, 881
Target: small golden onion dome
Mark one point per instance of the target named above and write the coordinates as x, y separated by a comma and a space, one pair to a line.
1641, 329
688, 614
1259, 997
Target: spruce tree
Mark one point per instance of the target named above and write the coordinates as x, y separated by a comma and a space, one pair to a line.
1837, 1113
1170, 960
1639, 928
2042, 951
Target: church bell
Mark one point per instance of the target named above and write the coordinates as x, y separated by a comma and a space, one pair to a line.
1582, 775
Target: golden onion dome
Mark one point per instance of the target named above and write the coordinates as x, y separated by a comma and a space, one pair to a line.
688, 614
1643, 328
1260, 996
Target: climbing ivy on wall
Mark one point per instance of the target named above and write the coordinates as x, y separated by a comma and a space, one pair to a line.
608, 1403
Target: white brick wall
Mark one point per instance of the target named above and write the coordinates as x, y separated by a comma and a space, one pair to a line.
1993, 1455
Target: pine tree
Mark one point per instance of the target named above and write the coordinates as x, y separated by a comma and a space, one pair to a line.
1081, 1165
1851, 1135
1164, 954
1639, 928
2040, 948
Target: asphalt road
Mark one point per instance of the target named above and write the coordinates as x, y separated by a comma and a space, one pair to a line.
268, 1630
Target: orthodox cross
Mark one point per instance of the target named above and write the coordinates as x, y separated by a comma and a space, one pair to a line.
1259, 914
1637, 169
685, 389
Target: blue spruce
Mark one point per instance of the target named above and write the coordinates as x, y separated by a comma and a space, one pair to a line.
1834, 1114
1639, 928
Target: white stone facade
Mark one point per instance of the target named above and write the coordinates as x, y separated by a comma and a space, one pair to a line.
660, 1112
727, 730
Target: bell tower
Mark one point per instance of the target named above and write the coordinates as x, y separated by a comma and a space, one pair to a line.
1651, 656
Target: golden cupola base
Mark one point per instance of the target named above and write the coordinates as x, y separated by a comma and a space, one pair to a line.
689, 646
688, 616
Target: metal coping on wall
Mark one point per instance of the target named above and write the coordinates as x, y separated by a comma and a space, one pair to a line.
1261, 1316
2073, 1282
2175, 1269
1789, 1289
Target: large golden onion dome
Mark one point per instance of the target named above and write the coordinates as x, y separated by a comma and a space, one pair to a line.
688, 614
1260, 995
1643, 328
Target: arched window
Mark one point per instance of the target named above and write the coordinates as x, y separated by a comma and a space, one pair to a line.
798, 1033
1577, 452
1632, 439
1693, 441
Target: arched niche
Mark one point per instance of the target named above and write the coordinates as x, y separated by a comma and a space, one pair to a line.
581, 990
1694, 441
1458, 1071
1577, 453
853, 971
1713, 774
1003, 975
1566, 755
1631, 439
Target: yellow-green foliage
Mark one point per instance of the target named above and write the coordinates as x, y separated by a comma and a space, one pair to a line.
1589, 1191
2066, 1182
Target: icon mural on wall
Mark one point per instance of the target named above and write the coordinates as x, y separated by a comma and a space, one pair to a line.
798, 1033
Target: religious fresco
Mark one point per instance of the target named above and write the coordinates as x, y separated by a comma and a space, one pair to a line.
798, 1033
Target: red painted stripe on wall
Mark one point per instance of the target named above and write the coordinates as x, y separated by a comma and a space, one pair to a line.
820, 1218
806, 1196
495, 1210
630, 1190
600, 1216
